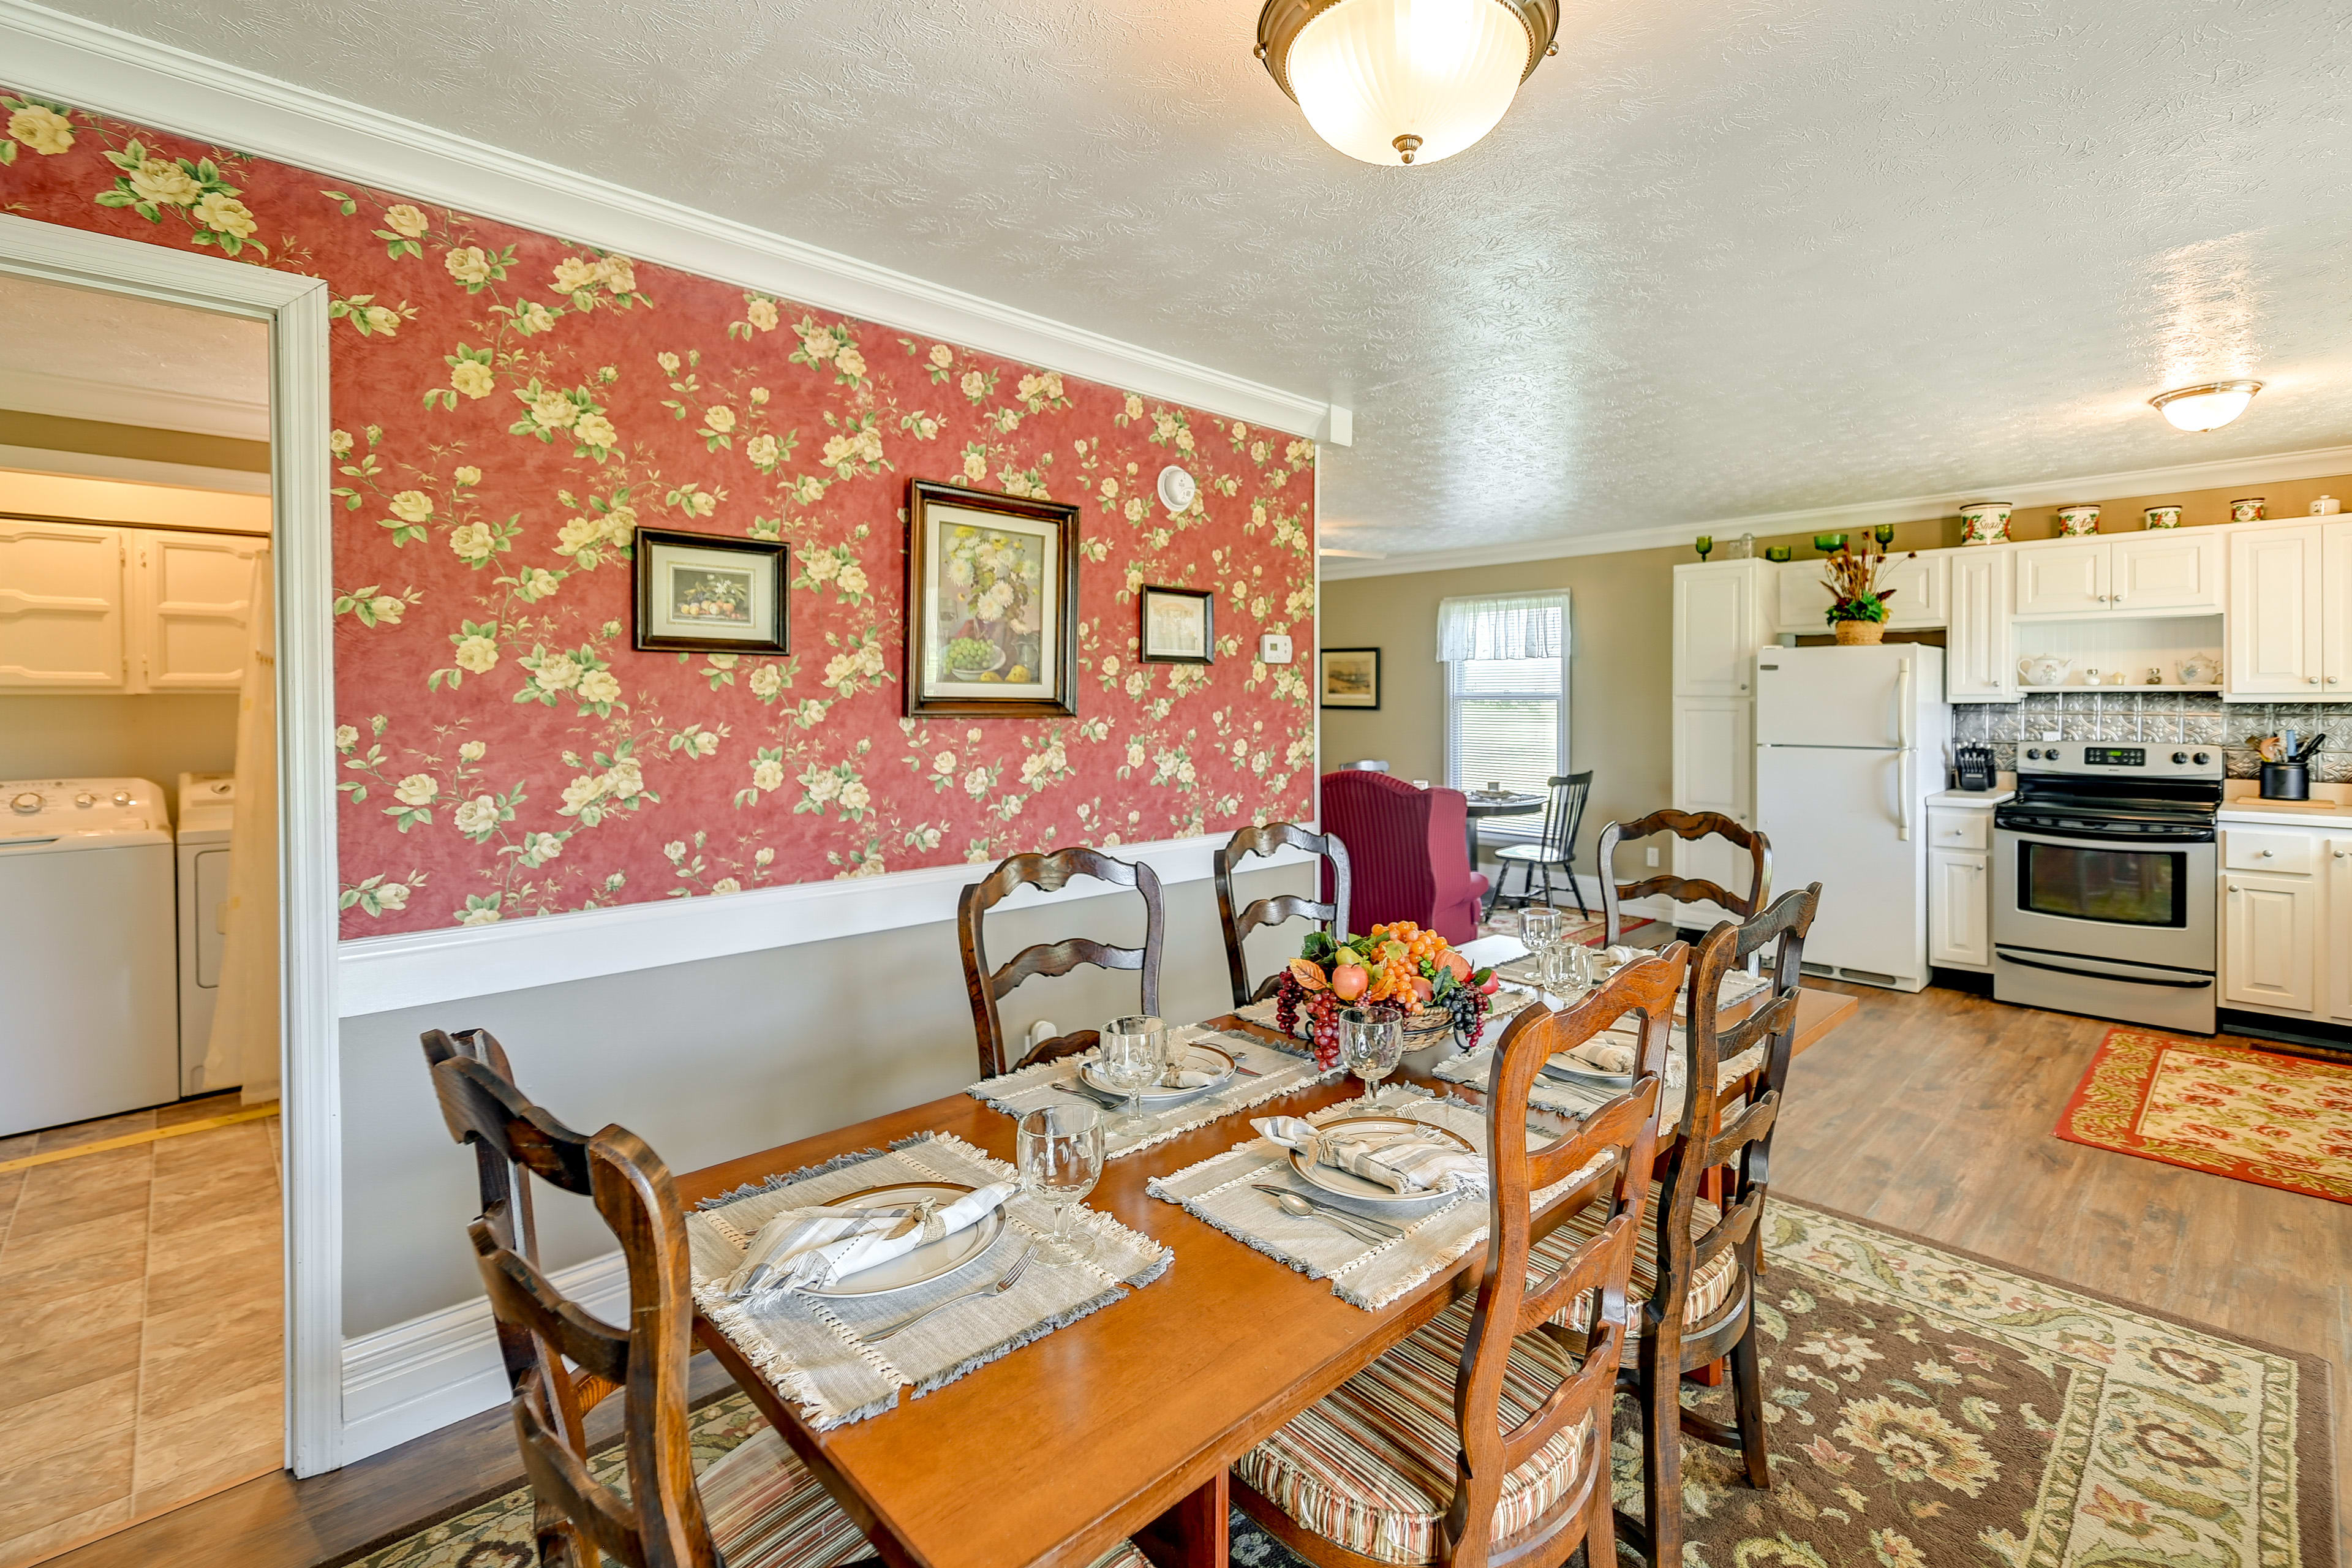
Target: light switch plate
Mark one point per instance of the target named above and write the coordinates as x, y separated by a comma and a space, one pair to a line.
1274, 647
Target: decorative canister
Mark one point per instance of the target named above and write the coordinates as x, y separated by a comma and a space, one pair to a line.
2074, 521
2163, 516
2249, 510
2326, 506
1985, 523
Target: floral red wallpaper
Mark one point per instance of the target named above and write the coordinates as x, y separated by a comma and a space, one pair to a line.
508, 406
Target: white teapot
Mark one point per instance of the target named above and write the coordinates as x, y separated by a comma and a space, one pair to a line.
2043, 668
2201, 669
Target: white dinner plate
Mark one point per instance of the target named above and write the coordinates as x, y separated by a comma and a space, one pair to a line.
1357, 1192
925, 1263
1199, 1054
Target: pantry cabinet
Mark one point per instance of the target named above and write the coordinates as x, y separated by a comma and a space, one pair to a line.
1715, 770
1718, 622
89, 608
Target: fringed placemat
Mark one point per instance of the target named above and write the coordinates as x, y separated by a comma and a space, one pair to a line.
811, 1348
1223, 1191
1270, 1071
1581, 1098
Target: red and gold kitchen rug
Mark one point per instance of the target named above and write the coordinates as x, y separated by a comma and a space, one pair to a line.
2280, 1120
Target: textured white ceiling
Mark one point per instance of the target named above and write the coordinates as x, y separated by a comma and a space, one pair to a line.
88, 355
1717, 260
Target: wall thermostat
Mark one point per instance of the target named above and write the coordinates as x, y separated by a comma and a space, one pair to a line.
1274, 647
1176, 488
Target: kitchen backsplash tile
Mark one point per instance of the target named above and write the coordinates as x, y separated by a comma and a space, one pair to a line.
2158, 718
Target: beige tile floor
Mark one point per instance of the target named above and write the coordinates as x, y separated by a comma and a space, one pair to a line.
140, 1324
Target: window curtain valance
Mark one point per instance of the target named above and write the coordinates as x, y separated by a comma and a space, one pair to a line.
1502, 625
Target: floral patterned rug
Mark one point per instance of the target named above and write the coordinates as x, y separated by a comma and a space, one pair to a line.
2280, 1120
1928, 1410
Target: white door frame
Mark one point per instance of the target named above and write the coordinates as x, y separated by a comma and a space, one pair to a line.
301, 528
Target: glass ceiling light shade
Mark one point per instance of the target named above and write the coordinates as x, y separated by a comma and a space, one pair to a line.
2206, 407
1404, 81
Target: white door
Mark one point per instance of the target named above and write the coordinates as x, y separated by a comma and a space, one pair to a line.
1714, 758
1834, 817
1917, 582
2061, 578
2275, 610
61, 606
2336, 607
2165, 569
2338, 951
1959, 909
2268, 928
1715, 630
1802, 598
1976, 664
1835, 696
189, 618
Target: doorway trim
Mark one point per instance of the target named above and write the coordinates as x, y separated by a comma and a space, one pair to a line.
295, 307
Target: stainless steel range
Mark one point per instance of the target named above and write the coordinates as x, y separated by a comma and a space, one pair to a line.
2103, 886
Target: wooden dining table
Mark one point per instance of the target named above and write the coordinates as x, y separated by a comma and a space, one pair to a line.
1123, 1422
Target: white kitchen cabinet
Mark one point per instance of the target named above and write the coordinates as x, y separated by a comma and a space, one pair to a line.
1718, 613
62, 609
2335, 957
2061, 578
1715, 770
2336, 607
2165, 569
2270, 930
189, 610
2275, 619
1959, 910
1800, 595
1977, 663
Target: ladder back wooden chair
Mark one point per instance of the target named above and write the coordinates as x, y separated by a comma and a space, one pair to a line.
1049, 873
759, 1505
1564, 799
1492, 1393
1690, 827
1331, 914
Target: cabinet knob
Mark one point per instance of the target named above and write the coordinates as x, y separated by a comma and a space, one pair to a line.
2311, 680
2268, 853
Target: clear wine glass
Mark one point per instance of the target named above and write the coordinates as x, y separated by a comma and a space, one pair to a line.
1370, 1045
1133, 1056
1541, 930
1060, 1155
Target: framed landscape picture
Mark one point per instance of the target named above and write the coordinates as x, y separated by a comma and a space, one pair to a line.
991, 604
1351, 677
704, 591
1180, 626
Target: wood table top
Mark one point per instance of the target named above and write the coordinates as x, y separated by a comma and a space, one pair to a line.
1053, 1453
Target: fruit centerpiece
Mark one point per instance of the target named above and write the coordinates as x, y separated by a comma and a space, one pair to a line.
1398, 970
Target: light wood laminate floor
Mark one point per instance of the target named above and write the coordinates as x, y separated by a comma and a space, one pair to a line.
1929, 1113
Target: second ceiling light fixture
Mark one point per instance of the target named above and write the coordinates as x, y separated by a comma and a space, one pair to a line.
1404, 82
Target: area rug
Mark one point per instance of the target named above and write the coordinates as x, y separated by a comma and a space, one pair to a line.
1575, 928
2280, 1120
1928, 1408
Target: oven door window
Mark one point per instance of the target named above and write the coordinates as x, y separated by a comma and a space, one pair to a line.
2115, 886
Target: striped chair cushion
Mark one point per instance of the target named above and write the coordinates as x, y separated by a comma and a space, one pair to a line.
1371, 1464
1709, 1289
767, 1510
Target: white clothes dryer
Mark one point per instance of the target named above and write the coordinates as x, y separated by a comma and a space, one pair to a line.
207, 804
87, 1023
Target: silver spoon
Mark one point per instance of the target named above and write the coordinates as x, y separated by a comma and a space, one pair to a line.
1300, 1208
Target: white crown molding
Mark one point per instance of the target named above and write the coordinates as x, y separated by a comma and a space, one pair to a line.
132, 470
118, 73
2319, 462
148, 407
418, 969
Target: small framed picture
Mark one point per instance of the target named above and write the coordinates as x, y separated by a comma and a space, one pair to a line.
1180, 626
1351, 677
705, 591
991, 604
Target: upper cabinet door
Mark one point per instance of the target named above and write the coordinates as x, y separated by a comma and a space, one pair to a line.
61, 607
194, 590
2061, 578
2165, 569
2274, 611
1800, 597
1919, 583
2335, 621
1977, 665
1715, 630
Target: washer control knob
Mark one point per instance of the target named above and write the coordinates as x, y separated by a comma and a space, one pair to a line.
2203, 757
24, 805
85, 800
2179, 757
123, 797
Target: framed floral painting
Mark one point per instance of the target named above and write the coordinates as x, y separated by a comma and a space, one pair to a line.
704, 591
991, 604
1180, 626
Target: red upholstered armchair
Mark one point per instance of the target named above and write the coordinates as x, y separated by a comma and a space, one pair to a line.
1409, 853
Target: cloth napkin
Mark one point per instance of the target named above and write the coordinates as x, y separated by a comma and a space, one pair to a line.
1401, 1161
815, 1247
1617, 1054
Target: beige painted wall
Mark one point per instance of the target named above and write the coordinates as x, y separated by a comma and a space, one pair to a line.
59, 434
79, 735
1622, 616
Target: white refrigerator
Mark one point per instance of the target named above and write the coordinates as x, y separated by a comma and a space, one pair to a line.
1850, 742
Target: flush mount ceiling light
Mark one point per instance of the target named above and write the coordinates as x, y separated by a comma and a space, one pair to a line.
2206, 407
1404, 82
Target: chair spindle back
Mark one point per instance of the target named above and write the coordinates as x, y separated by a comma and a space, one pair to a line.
1266, 840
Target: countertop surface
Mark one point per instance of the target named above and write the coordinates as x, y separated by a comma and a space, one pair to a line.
2287, 812
1983, 799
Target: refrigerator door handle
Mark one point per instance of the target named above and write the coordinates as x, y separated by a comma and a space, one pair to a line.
1903, 705
1903, 783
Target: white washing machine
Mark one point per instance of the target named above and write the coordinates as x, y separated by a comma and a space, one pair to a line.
207, 803
89, 1026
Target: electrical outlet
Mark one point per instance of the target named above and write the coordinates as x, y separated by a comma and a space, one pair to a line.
1650, 856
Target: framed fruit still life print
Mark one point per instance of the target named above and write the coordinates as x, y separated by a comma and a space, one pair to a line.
991, 604
708, 592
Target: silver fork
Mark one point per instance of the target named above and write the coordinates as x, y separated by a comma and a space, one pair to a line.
1012, 1277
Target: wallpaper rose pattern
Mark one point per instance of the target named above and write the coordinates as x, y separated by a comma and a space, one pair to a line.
508, 406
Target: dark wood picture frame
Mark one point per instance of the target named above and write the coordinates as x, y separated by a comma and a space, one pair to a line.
1323, 681
654, 631
1051, 690
1205, 597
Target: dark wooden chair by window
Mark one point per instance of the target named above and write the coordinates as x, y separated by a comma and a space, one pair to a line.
1049, 873
1690, 827
1564, 799
1332, 911
1517, 1471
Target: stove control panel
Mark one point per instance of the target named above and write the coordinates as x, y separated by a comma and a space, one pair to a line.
2130, 762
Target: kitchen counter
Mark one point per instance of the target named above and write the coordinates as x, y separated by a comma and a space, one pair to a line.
1982, 799
2330, 806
